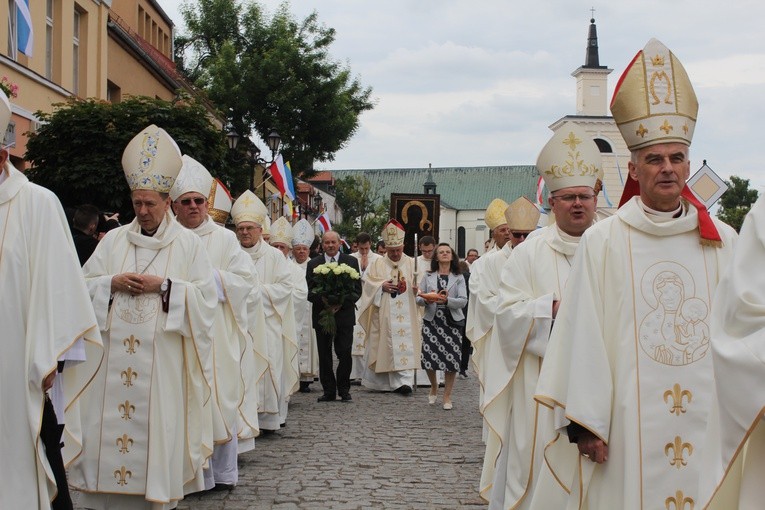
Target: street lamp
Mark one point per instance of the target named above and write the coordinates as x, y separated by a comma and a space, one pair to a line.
252, 155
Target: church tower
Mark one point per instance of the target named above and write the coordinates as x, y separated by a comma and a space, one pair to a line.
592, 115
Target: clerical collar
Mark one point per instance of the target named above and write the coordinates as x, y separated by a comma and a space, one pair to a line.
147, 233
663, 216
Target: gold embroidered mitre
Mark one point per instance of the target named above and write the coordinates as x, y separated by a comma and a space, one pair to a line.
281, 232
522, 215
5, 115
219, 203
266, 225
495, 213
654, 101
151, 160
248, 207
393, 234
302, 233
192, 177
570, 158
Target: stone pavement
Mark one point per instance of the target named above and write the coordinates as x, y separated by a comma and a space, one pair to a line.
382, 450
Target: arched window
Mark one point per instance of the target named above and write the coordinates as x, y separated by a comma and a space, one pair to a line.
603, 145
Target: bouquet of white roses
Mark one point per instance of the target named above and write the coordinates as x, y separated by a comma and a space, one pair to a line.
335, 283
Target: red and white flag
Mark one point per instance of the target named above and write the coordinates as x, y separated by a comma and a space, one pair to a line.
324, 223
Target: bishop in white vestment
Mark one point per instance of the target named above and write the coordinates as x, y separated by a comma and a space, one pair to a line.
308, 353
147, 420
45, 310
530, 289
366, 257
231, 367
388, 314
275, 289
635, 386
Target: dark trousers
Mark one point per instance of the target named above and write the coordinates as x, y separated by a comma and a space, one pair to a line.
343, 341
50, 435
467, 350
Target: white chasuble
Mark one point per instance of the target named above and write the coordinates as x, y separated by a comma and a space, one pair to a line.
45, 309
234, 358
734, 464
308, 354
147, 418
282, 379
359, 335
519, 428
629, 357
393, 341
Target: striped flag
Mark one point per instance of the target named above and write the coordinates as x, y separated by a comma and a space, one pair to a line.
324, 223
282, 178
540, 188
24, 35
290, 184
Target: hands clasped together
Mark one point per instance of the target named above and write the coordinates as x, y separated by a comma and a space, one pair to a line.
136, 284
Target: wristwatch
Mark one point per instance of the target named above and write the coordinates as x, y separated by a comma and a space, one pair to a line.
163, 287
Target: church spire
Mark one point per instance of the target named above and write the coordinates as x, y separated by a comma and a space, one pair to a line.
591, 59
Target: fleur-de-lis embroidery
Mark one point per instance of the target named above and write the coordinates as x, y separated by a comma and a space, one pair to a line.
126, 409
399, 304
128, 376
400, 318
666, 127
678, 502
131, 343
404, 360
124, 443
401, 332
122, 474
402, 347
677, 448
677, 394
641, 131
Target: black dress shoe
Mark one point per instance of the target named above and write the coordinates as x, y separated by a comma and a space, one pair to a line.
326, 398
305, 387
404, 390
345, 397
223, 487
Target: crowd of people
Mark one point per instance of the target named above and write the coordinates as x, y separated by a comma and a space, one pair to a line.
611, 352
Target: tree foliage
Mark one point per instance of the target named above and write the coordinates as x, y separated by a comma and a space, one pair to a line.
736, 202
357, 198
273, 73
77, 151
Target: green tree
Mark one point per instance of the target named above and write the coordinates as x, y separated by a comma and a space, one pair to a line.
273, 73
736, 202
77, 151
364, 210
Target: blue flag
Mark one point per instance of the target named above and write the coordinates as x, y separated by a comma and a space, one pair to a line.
24, 35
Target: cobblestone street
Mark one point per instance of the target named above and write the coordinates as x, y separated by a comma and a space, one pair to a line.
382, 450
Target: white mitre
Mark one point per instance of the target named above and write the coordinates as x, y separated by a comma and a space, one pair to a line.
5, 114
266, 226
193, 177
495, 213
522, 215
569, 159
281, 232
219, 203
302, 233
248, 207
393, 234
151, 160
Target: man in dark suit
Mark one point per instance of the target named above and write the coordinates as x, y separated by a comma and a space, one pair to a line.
345, 318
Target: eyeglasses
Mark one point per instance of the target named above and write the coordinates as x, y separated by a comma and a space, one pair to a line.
584, 197
518, 235
187, 201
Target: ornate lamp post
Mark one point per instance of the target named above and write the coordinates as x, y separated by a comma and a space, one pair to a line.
252, 155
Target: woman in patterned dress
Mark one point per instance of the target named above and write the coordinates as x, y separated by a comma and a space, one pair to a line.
443, 293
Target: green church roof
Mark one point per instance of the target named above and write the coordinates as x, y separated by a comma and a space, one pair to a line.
461, 188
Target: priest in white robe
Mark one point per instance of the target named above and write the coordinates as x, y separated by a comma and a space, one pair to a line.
484, 289
530, 289
631, 387
734, 466
147, 419
308, 354
231, 368
275, 294
388, 314
45, 311
366, 257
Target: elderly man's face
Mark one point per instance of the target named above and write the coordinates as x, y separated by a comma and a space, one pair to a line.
574, 208
191, 209
501, 235
331, 243
394, 253
661, 170
248, 233
149, 208
300, 252
284, 248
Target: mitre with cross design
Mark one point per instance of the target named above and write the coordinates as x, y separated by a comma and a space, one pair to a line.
248, 207
151, 160
281, 232
192, 177
569, 159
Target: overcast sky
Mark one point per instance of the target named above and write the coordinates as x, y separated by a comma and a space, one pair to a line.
477, 83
